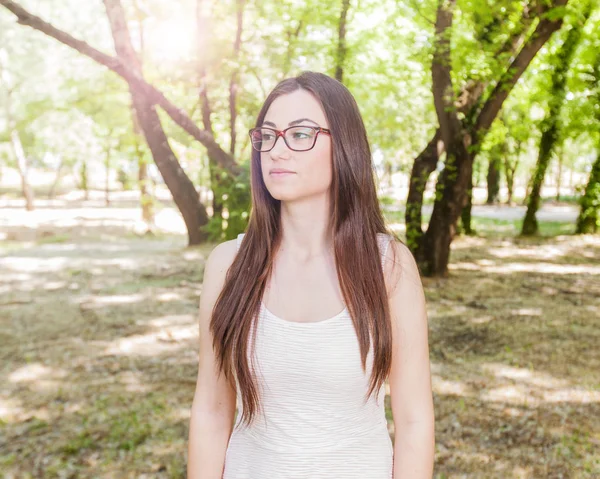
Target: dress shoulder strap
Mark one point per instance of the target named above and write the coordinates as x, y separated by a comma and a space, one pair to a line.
239, 240
383, 240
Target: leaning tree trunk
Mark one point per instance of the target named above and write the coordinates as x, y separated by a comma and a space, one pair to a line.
550, 126
510, 169
147, 97
588, 219
217, 183
182, 189
423, 166
146, 197
549, 137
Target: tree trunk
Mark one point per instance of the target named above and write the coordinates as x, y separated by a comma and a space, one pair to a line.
588, 219
510, 171
23, 168
423, 166
233, 83
107, 168
52, 191
84, 180
450, 200
549, 136
493, 180
550, 126
559, 174
183, 191
453, 181
340, 57
146, 199
465, 214
202, 23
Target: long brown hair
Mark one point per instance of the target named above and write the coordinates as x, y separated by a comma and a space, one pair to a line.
356, 220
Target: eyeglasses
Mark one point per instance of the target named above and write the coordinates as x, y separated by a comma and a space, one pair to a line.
297, 138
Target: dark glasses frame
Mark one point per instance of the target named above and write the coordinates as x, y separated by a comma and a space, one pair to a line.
281, 133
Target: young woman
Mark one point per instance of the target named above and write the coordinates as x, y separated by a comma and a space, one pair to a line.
304, 316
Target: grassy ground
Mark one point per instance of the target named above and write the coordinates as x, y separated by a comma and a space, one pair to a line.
98, 354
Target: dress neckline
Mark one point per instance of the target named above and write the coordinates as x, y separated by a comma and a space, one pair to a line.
303, 323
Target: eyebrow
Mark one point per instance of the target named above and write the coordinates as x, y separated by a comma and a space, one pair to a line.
295, 122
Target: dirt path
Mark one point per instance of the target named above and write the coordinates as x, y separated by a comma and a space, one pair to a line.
98, 351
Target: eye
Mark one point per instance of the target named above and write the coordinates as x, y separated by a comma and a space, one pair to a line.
302, 133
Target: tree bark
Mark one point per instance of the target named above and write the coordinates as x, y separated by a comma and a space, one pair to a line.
233, 83
465, 214
107, 168
423, 166
183, 191
23, 169
292, 37
549, 136
559, 174
550, 126
510, 169
216, 182
146, 196
453, 180
588, 219
342, 49
493, 180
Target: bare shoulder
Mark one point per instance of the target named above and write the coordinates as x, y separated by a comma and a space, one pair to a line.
215, 269
400, 268
220, 258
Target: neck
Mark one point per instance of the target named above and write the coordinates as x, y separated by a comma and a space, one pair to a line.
306, 228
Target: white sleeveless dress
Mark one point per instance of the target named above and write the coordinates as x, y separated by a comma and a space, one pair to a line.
316, 424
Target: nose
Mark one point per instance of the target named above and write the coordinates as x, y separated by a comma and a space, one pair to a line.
279, 147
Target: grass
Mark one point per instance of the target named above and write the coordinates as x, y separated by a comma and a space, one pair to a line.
495, 228
98, 374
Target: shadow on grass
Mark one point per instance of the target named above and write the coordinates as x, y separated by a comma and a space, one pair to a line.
99, 358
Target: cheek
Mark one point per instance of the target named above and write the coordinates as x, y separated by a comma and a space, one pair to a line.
321, 165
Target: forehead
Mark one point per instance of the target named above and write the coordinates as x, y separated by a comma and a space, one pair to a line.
295, 105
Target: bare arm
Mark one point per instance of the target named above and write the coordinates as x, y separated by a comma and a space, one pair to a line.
410, 376
213, 407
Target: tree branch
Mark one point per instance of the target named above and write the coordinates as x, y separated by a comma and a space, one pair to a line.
545, 28
443, 91
154, 95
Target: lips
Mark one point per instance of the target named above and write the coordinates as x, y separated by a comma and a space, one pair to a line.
279, 171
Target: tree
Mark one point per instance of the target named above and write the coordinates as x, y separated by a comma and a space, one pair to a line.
588, 220
145, 96
550, 127
462, 133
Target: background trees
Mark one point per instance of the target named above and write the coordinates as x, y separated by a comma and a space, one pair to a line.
447, 89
